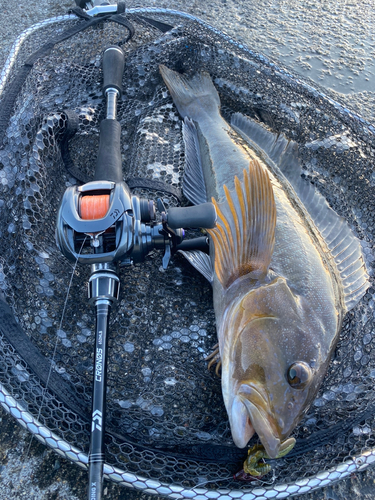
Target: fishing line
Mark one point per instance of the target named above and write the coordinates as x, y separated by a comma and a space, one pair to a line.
44, 391
230, 478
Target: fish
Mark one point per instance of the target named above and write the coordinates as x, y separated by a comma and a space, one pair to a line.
285, 268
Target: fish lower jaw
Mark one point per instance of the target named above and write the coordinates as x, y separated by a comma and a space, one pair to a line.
246, 420
240, 424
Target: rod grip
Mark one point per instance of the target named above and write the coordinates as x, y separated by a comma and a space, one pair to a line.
113, 68
109, 163
203, 215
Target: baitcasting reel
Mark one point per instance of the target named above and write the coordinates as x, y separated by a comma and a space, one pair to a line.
102, 222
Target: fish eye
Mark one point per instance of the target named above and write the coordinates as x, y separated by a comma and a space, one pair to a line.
299, 375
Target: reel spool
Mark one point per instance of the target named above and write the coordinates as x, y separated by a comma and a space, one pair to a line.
93, 207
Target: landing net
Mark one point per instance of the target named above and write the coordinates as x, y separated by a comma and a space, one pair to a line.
168, 431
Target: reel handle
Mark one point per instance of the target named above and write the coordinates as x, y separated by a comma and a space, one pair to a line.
203, 216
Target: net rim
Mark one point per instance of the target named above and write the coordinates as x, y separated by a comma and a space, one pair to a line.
17, 44
134, 481
4, 75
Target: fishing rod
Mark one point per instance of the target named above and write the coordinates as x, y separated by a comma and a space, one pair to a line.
102, 224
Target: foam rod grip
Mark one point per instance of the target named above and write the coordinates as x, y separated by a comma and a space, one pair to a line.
203, 216
109, 163
113, 68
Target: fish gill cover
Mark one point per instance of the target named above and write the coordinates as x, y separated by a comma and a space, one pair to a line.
166, 418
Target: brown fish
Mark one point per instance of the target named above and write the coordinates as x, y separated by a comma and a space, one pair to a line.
284, 267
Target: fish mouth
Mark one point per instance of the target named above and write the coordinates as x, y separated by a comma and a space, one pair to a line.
249, 415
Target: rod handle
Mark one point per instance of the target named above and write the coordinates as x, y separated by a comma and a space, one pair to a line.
113, 69
108, 162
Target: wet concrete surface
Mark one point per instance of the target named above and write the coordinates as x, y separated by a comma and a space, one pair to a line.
340, 55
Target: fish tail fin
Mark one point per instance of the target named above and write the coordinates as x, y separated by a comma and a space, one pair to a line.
191, 95
244, 237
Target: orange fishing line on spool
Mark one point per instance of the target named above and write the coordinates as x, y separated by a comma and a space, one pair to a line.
94, 207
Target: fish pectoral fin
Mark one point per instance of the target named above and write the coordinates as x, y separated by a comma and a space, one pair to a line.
201, 261
213, 358
244, 237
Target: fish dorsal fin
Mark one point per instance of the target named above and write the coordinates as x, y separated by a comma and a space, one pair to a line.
244, 236
343, 245
193, 184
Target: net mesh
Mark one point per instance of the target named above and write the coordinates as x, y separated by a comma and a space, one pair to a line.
165, 415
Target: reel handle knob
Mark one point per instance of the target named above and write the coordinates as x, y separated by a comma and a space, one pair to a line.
113, 69
203, 216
